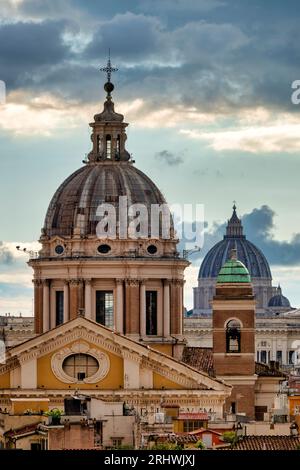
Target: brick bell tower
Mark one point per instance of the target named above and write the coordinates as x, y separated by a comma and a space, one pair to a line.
233, 315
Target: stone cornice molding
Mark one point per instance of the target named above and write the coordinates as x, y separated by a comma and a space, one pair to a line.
131, 355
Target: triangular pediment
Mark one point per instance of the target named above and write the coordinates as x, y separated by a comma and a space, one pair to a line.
84, 330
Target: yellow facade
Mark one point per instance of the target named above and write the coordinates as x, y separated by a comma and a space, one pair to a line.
5, 380
160, 382
164, 348
114, 379
20, 407
294, 405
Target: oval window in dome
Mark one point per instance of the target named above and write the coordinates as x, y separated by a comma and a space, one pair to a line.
104, 249
59, 249
152, 249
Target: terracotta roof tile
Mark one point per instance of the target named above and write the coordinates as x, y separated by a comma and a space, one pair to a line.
267, 443
199, 358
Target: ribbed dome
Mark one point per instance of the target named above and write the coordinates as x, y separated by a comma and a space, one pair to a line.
233, 271
279, 300
75, 203
247, 253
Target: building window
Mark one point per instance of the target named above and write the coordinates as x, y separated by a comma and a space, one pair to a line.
118, 146
233, 407
151, 312
192, 425
108, 146
233, 337
80, 366
291, 357
263, 356
59, 307
105, 308
279, 356
116, 441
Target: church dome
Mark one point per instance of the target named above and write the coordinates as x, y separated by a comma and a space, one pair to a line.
75, 202
279, 300
108, 174
251, 256
233, 271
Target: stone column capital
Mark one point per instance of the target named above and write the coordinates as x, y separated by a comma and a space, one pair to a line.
132, 282
119, 281
37, 282
88, 282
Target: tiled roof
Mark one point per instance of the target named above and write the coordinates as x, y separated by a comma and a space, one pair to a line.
202, 359
178, 438
206, 430
267, 443
200, 416
199, 358
31, 428
266, 370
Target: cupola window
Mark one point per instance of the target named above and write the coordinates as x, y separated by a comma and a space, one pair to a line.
233, 337
108, 146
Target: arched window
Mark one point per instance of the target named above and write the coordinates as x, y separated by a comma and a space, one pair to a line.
98, 144
233, 336
108, 146
118, 146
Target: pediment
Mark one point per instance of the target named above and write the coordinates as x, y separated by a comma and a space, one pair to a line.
84, 331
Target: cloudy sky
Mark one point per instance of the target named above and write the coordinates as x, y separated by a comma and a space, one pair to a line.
206, 88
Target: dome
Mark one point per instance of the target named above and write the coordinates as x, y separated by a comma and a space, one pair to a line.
233, 271
279, 300
75, 202
251, 256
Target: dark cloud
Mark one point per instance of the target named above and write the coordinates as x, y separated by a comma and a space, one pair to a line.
215, 56
5, 255
27, 47
169, 158
128, 35
258, 228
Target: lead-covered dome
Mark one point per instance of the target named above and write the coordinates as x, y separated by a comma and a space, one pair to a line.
279, 300
75, 202
251, 256
108, 174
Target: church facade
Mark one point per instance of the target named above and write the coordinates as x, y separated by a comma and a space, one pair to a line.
108, 308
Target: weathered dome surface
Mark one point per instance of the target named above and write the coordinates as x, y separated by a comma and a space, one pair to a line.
247, 253
75, 202
279, 300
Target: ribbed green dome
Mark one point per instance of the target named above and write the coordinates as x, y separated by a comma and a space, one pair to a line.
233, 271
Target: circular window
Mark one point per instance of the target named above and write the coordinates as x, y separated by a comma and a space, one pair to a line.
80, 366
103, 249
152, 249
59, 249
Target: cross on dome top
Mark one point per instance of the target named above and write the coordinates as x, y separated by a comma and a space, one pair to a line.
108, 87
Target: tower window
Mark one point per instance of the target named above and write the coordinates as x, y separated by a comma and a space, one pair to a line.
105, 308
98, 144
151, 312
108, 146
59, 305
233, 337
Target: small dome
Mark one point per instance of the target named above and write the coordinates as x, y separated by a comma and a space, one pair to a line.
233, 271
75, 202
251, 256
279, 300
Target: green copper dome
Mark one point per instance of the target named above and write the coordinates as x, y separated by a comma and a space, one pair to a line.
233, 271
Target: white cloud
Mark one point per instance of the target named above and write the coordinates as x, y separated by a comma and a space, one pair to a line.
266, 134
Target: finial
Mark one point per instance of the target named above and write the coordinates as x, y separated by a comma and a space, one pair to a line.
108, 87
234, 206
233, 254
